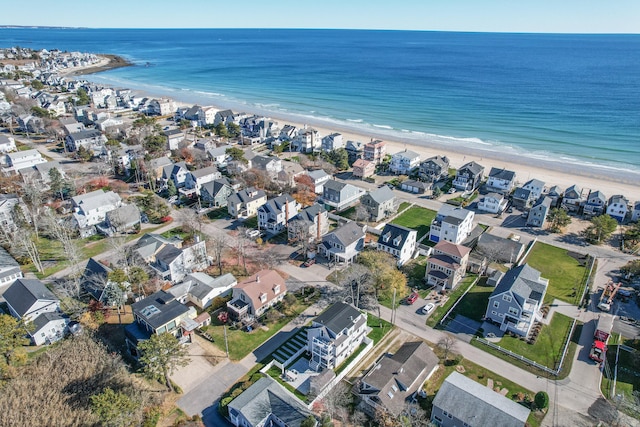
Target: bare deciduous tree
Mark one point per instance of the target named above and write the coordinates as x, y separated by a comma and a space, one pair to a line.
447, 343
217, 244
24, 245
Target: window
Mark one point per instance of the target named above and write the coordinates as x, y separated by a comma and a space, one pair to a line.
506, 298
514, 311
494, 312
496, 304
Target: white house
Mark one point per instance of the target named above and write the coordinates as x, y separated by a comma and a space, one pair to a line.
451, 224
9, 268
332, 142
399, 241
219, 155
24, 159
492, 203
274, 216
195, 179
618, 207
501, 180
635, 214
200, 289
403, 162
90, 209
344, 243
319, 178
535, 186
7, 143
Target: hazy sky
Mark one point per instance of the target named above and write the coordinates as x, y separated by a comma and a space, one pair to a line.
562, 16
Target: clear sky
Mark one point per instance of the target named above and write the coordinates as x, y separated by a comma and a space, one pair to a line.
558, 16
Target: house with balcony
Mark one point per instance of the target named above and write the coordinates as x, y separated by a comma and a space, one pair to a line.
468, 177
379, 203
452, 224
399, 241
595, 204
344, 243
522, 198
395, 379
618, 207
332, 142
374, 151
310, 224
169, 259
216, 193
535, 186
492, 203
200, 289
195, 179
161, 107
91, 139
157, 314
447, 265
31, 301
404, 162
538, 213
482, 406
91, 209
501, 180
355, 150
555, 194
274, 216
319, 178
340, 195
253, 296
434, 169
334, 335
177, 172
307, 141
245, 203
515, 303
363, 168
573, 200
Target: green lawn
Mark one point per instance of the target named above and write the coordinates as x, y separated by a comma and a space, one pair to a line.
628, 379
350, 359
415, 270
416, 218
403, 206
566, 274
474, 303
379, 328
454, 296
218, 213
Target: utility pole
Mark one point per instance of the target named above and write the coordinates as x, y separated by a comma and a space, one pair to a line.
226, 343
393, 308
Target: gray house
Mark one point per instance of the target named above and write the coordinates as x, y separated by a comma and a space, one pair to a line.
267, 403
9, 268
464, 402
340, 195
573, 200
469, 177
344, 243
120, 220
215, 193
311, 224
434, 168
380, 203
595, 205
539, 211
515, 303
522, 198
355, 150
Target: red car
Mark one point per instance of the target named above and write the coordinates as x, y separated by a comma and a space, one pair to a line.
412, 298
309, 262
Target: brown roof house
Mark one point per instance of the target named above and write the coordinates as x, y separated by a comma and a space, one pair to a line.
447, 265
363, 168
256, 294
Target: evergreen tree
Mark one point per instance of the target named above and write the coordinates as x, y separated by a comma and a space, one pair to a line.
161, 354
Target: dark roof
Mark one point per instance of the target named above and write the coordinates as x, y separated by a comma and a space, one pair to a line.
502, 173
6, 260
477, 405
84, 134
523, 281
473, 167
309, 213
440, 161
168, 254
394, 231
521, 193
381, 194
499, 248
23, 293
159, 309
346, 234
338, 317
42, 320
417, 184
334, 185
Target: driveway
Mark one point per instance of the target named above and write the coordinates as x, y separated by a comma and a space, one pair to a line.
201, 365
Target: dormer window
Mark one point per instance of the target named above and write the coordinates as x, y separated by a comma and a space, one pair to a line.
396, 241
276, 289
386, 237
263, 298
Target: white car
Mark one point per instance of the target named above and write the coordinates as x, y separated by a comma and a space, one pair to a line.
451, 190
428, 308
253, 233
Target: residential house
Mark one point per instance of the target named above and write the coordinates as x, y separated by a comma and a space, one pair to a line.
161, 107
363, 168
515, 303
307, 141
635, 214
596, 203
434, 169
447, 265
177, 172
555, 194
90, 209
374, 151
196, 116
216, 193
245, 203
413, 186
287, 133
9, 269
573, 200
92, 140
157, 314
452, 224
310, 224
501, 180
71, 125
319, 178
535, 186
169, 259
8, 203
334, 335
482, 406
200, 289
290, 171
267, 403
340, 195
499, 249
224, 116
618, 207
156, 167
538, 212
121, 220
174, 138
219, 155
195, 179
109, 125
355, 150
344, 243
521, 198
492, 203
399, 241
404, 162
394, 380
95, 282
469, 177
271, 165
256, 294
274, 216
23, 159
379, 203
7, 143
31, 301
332, 142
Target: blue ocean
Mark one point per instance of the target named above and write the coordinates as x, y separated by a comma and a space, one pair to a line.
571, 99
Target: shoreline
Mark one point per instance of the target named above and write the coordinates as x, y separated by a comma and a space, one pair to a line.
562, 173
106, 63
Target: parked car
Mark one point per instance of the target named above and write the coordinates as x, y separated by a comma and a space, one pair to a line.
412, 298
253, 233
309, 262
428, 308
451, 190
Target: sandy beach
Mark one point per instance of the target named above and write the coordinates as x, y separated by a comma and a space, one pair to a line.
561, 173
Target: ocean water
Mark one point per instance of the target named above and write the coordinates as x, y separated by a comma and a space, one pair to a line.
569, 99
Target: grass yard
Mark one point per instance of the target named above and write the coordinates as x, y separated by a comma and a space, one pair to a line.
454, 296
219, 213
474, 303
566, 273
416, 218
415, 270
403, 206
379, 328
628, 379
